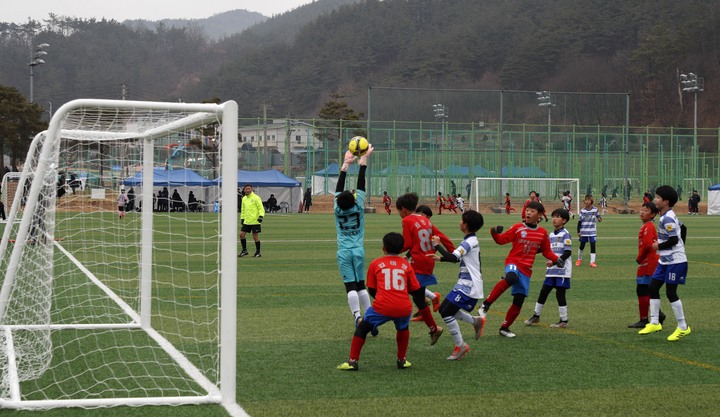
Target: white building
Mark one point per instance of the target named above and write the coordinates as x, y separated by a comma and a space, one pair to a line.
299, 136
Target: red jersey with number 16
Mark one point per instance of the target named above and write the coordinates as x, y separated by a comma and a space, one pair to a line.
393, 278
527, 241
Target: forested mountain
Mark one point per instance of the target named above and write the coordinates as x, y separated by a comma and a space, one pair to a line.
297, 60
215, 27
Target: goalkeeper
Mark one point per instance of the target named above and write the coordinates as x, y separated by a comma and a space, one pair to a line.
251, 216
349, 213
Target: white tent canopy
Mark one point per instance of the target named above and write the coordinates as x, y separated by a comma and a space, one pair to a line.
713, 200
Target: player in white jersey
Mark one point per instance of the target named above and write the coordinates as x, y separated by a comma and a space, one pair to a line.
588, 219
567, 203
555, 276
672, 267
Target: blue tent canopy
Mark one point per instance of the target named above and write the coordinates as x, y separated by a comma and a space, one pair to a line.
523, 172
171, 178
408, 170
269, 178
715, 187
461, 171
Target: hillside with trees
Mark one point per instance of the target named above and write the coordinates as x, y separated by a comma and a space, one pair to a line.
296, 61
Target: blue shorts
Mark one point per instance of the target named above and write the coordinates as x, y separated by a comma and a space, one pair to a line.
557, 282
522, 286
352, 264
584, 239
643, 280
426, 280
461, 300
671, 274
376, 319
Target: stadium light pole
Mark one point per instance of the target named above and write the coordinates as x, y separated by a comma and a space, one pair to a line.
546, 101
441, 114
691, 83
36, 56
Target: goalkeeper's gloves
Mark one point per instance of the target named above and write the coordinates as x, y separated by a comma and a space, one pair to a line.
364, 158
260, 219
497, 230
560, 263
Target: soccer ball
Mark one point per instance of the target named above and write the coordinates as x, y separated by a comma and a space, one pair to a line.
358, 146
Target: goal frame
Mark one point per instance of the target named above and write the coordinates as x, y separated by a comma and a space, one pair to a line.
576, 199
225, 393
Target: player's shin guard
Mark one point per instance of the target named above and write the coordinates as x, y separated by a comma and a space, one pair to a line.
356, 347
496, 292
511, 315
454, 328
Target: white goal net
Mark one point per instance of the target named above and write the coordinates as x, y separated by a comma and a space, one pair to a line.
104, 307
492, 190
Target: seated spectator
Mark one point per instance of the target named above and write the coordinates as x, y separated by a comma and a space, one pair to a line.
193, 204
272, 205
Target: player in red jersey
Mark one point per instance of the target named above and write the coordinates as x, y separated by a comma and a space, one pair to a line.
533, 197
417, 235
390, 279
508, 204
527, 240
647, 260
440, 202
387, 200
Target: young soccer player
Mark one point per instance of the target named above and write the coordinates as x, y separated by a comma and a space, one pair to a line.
460, 203
647, 260
390, 278
556, 277
450, 203
121, 202
350, 224
417, 234
440, 202
469, 287
567, 202
527, 240
672, 267
508, 204
588, 219
532, 197
387, 200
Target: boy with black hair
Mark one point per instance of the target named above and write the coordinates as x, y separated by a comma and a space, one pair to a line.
672, 267
350, 224
527, 240
469, 287
391, 301
555, 276
417, 233
647, 260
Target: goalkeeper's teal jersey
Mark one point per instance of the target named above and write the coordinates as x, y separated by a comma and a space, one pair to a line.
350, 224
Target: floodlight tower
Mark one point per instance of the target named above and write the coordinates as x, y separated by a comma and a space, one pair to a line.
36, 56
546, 101
441, 113
691, 83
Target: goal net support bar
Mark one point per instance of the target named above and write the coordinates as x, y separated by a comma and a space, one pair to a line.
75, 270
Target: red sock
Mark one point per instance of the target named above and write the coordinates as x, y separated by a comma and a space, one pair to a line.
644, 306
357, 345
402, 337
511, 315
427, 317
497, 291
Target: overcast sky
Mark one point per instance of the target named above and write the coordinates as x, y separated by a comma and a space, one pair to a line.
18, 11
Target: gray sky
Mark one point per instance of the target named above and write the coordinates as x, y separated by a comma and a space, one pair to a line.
18, 11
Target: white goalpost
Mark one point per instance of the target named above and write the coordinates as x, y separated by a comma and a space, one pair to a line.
102, 308
493, 189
